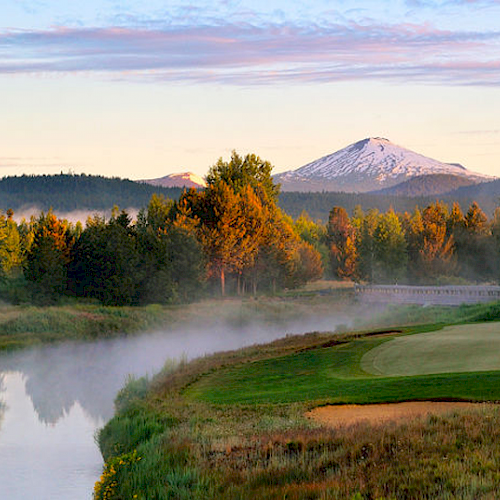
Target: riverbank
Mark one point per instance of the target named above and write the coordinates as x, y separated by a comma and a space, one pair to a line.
24, 326
323, 306
235, 425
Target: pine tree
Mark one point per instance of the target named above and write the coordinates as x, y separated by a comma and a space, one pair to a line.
48, 258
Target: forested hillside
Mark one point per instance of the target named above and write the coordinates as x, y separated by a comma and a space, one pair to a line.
427, 185
318, 205
67, 192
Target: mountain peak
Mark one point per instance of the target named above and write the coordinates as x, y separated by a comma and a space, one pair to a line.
181, 179
370, 164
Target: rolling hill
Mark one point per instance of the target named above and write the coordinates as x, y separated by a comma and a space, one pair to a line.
427, 185
66, 192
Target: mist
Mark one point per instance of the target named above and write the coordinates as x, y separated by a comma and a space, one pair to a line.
72, 216
91, 373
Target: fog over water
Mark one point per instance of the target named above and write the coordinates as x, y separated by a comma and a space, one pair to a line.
53, 398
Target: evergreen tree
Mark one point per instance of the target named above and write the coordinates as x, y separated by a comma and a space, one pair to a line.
105, 261
48, 258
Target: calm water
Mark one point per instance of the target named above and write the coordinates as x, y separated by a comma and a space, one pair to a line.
53, 399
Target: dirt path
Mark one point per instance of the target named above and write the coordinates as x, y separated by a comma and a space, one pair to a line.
338, 415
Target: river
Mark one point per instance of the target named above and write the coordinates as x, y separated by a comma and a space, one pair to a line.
54, 398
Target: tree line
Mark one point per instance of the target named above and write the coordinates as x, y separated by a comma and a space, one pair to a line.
434, 245
231, 237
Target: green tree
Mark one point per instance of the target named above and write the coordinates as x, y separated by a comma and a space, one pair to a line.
240, 172
389, 249
48, 258
475, 246
10, 246
315, 234
105, 261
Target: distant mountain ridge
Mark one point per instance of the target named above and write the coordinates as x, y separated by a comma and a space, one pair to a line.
427, 185
183, 179
371, 164
67, 192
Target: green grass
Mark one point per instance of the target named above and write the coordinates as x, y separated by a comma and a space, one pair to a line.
458, 348
417, 315
335, 375
25, 326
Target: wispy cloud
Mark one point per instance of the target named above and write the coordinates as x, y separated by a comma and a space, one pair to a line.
246, 54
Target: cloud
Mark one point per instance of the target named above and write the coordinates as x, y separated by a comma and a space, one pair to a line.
249, 54
452, 3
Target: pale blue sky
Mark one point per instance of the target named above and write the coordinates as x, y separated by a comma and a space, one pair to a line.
123, 89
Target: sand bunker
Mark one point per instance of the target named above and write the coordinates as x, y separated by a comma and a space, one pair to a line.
338, 415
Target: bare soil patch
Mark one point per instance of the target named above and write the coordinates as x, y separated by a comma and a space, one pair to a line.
340, 415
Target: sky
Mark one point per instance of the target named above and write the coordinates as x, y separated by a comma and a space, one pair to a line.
141, 90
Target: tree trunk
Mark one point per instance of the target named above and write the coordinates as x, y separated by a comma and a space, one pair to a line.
222, 282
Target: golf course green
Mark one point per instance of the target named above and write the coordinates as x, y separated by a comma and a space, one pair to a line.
459, 362
457, 348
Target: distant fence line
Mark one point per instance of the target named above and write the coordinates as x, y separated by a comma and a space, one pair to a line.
427, 295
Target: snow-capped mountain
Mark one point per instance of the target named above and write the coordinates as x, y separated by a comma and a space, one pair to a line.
368, 165
184, 179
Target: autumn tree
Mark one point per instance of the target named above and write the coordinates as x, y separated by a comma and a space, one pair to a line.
431, 249
341, 236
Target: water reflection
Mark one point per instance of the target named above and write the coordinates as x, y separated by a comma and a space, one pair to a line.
2, 402
55, 397
90, 374
44, 461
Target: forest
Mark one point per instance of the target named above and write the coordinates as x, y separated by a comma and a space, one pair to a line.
229, 238
232, 238
435, 245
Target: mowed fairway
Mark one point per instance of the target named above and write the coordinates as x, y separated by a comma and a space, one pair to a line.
454, 363
454, 349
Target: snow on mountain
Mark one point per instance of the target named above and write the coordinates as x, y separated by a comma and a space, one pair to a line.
368, 165
184, 179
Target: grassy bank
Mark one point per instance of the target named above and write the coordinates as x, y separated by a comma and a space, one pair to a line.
324, 305
22, 326
232, 426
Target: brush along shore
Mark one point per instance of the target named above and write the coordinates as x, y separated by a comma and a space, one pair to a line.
235, 425
23, 326
324, 305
